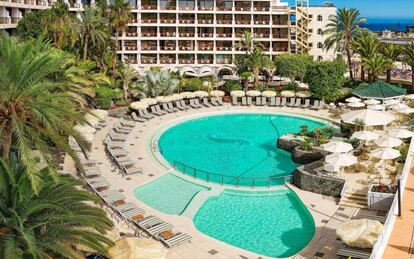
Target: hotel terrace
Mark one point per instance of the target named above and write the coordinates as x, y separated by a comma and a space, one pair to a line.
198, 36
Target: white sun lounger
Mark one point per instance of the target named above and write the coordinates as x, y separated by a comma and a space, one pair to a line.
258, 101
298, 102
171, 106
114, 144
124, 207
159, 110
117, 152
135, 117
144, 114
307, 103
131, 213
116, 137
132, 170
264, 100
220, 101
315, 105
121, 127
126, 123
179, 106
272, 101
283, 102
244, 101
124, 161
154, 111
183, 104
249, 100
206, 103
214, 101
92, 172
121, 131
107, 193
166, 108
113, 198
157, 229
292, 102
176, 239
149, 222
234, 100
194, 103
98, 185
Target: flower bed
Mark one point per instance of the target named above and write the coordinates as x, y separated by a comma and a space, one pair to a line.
380, 197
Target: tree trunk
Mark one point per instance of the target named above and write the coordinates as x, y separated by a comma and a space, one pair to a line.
125, 87
348, 54
412, 81
85, 48
362, 72
6, 144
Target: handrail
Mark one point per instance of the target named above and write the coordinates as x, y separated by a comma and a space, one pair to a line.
236, 181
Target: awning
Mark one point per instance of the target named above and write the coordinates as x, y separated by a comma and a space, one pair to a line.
379, 90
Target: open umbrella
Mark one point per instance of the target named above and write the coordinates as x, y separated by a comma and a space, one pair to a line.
400, 133
269, 94
368, 117
253, 93
187, 95
201, 94
176, 97
365, 135
340, 160
149, 101
391, 102
237, 93
163, 99
371, 102
287, 93
399, 106
356, 105
216, 93
303, 94
406, 110
386, 153
352, 100
376, 107
337, 147
388, 142
139, 105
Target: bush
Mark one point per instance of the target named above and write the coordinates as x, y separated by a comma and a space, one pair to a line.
105, 95
232, 86
31, 26
191, 84
260, 87
306, 144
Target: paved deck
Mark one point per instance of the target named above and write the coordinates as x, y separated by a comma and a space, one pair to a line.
401, 240
326, 213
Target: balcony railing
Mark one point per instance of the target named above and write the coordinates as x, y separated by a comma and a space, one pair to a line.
223, 61
130, 47
16, 19
167, 34
205, 8
186, 48
223, 35
205, 61
168, 48
148, 60
148, 7
5, 20
224, 8
206, 48
186, 34
149, 47
208, 21
168, 7
186, 21
186, 8
167, 61
261, 35
149, 20
243, 21
170, 21
131, 34
224, 21
149, 34
259, 22
186, 61
243, 9
222, 48
205, 34
261, 9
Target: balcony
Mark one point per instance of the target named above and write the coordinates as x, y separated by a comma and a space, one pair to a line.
186, 8
280, 36
208, 21
223, 48
148, 7
130, 47
206, 48
261, 22
167, 48
5, 20
168, 7
148, 34
261, 8
148, 47
186, 48
166, 60
186, 34
186, 61
261, 35
205, 61
224, 21
223, 35
205, 8
167, 34
248, 22
131, 34
16, 19
224, 8
243, 8
205, 34
148, 60
168, 21
186, 21
284, 23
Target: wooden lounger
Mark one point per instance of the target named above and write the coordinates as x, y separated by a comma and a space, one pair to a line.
353, 253
176, 239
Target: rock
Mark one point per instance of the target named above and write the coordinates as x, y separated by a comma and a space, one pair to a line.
137, 248
360, 233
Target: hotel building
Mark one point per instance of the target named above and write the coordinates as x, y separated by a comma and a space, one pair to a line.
198, 36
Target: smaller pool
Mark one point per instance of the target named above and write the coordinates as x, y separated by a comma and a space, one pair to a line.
169, 193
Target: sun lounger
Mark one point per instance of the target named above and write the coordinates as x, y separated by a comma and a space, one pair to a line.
322, 105
154, 111
183, 104
88, 162
117, 137
283, 102
194, 103
144, 114
176, 239
272, 101
126, 123
135, 117
258, 101
125, 207
132, 170
119, 130
114, 144
93, 171
131, 213
99, 184
249, 100
149, 222
96, 179
110, 199
214, 102
117, 152
171, 106
298, 103
353, 253
124, 161
205, 102
292, 102
264, 100
179, 106
234, 100
220, 101
165, 108
244, 101
315, 105
373, 217
157, 229
159, 110
197, 102
107, 193
307, 103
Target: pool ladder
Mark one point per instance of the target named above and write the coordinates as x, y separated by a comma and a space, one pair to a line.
155, 146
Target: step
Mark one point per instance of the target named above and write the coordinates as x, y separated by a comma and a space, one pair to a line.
361, 194
362, 202
352, 205
354, 197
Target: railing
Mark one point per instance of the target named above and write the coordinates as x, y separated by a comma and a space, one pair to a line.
237, 181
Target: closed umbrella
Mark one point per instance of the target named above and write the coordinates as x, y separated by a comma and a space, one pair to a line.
337, 147
340, 160
385, 153
388, 142
371, 102
353, 100
400, 133
365, 135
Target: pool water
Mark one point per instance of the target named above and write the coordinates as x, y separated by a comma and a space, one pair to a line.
169, 193
239, 146
273, 223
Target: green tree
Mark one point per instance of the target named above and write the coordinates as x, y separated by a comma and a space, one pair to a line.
257, 61
51, 222
31, 25
247, 43
127, 76
376, 65
155, 83
325, 78
408, 52
341, 31
391, 52
38, 105
366, 45
292, 66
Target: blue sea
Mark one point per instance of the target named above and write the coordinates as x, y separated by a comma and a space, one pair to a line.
388, 24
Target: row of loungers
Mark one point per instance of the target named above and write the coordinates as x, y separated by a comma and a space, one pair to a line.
280, 101
143, 115
116, 149
150, 226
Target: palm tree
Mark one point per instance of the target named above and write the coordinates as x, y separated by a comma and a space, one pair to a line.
408, 52
256, 60
341, 31
155, 83
390, 52
50, 223
127, 76
38, 105
119, 16
366, 45
376, 65
247, 43
93, 31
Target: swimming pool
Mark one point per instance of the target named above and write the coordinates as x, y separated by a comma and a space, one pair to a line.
169, 193
273, 223
237, 149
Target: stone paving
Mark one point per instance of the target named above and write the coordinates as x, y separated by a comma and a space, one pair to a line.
326, 213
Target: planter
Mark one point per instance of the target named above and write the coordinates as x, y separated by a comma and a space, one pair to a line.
379, 200
303, 157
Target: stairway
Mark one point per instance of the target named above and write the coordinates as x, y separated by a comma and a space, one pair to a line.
354, 199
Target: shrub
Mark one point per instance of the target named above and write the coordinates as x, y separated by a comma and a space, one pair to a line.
306, 144
303, 130
105, 95
191, 84
232, 86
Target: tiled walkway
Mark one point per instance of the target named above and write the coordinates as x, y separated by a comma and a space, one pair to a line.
401, 241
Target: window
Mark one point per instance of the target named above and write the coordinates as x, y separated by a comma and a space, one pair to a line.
320, 45
320, 31
320, 58
319, 18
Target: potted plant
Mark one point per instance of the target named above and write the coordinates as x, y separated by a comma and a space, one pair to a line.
381, 196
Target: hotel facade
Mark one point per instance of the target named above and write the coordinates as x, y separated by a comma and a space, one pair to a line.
198, 36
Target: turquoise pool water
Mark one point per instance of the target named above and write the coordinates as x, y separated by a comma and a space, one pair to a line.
239, 146
272, 223
169, 193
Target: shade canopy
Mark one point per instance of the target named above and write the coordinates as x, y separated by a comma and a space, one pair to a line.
399, 106
371, 102
385, 153
237, 93
379, 90
304, 94
149, 101
356, 105
388, 142
187, 95
376, 107
392, 102
339, 160
365, 135
288, 93
253, 93
368, 117
400, 133
337, 147
139, 105
269, 94
406, 110
217, 93
353, 100
201, 94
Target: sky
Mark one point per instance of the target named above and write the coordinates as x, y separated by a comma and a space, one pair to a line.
378, 10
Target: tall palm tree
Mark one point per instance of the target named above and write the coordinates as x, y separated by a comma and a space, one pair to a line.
408, 52
390, 52
127, 76
93, 31
247, 43
376, 65
50, 223
256, 60
366, 45
341, 31
119, 16
38, 105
